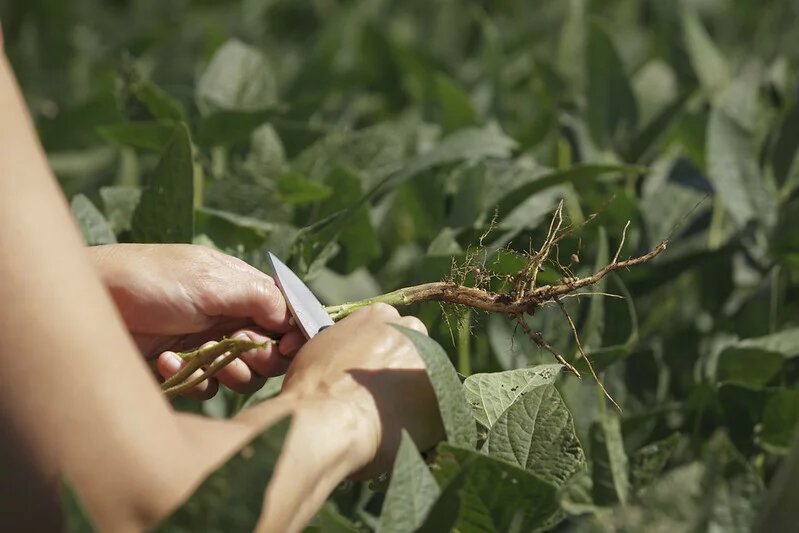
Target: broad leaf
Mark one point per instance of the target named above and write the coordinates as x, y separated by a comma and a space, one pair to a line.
491, 394
92, 223
709, 64
148, 135
481, 493
119, 205
612, 110
458, 422
297, 189
609, 461
648, 462
238, 78
536, 432
225, 501
732, 159
166, 210
411, 493
780, 419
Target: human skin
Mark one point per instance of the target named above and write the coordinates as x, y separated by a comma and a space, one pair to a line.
77, 398
179, 296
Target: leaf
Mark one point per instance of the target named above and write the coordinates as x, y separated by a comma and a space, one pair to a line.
648, 462
357, 236
594, 326
151, 135
780, 419
330, 520
609, 461
90, 220
225, 501
166, 210
575, 173
456, 108
411, 493
709, 65
468, 144
230, 128
238, 78
458, 422
297, 189
491, 394
785, 343
119, 205
536, 432
76, 520
481, 493
612, 110
732, 160
748, 366
160, 105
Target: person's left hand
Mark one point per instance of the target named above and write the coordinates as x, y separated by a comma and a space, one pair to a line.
175, 297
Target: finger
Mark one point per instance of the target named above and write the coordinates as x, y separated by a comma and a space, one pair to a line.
251, 295
378, 310
412, 322
238, 376
168, 364
291, 342
263, 362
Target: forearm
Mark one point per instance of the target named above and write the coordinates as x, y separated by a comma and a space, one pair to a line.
74, 393
328, 440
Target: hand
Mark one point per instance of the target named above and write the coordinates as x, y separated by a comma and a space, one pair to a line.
175, 297
374, 371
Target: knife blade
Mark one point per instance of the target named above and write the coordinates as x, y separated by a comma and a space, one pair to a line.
307, 310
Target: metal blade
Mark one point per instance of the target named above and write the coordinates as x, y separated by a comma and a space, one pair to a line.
306, 309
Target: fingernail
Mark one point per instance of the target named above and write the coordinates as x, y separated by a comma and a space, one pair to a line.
172, 361
241, 337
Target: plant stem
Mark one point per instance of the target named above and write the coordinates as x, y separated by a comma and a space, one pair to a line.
464, 346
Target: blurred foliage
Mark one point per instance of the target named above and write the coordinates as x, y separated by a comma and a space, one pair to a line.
370, 142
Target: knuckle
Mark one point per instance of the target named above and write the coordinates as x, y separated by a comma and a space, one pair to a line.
380, 308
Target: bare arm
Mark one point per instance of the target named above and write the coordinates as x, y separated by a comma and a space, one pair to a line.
69, 406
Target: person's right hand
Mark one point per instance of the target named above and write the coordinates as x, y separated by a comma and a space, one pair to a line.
371, 368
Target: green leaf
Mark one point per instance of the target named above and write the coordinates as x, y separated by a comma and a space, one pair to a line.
468, 144
594, 326
456, 107
330, 520
780, 419
612, 110
648, 462
297, 189
151, 135
357, 236
482, 493
411, 493
536, 432
748, 366
230, 128
576, 173
166, 210
92, 223
785, 343
709, 65
76, 519
609, 461
732, 158
119, 205
458, 422
238, 78
226, 500
491, 394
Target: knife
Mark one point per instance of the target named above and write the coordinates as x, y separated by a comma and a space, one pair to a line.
307, 310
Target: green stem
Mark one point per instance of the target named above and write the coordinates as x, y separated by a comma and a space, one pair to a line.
464, 344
